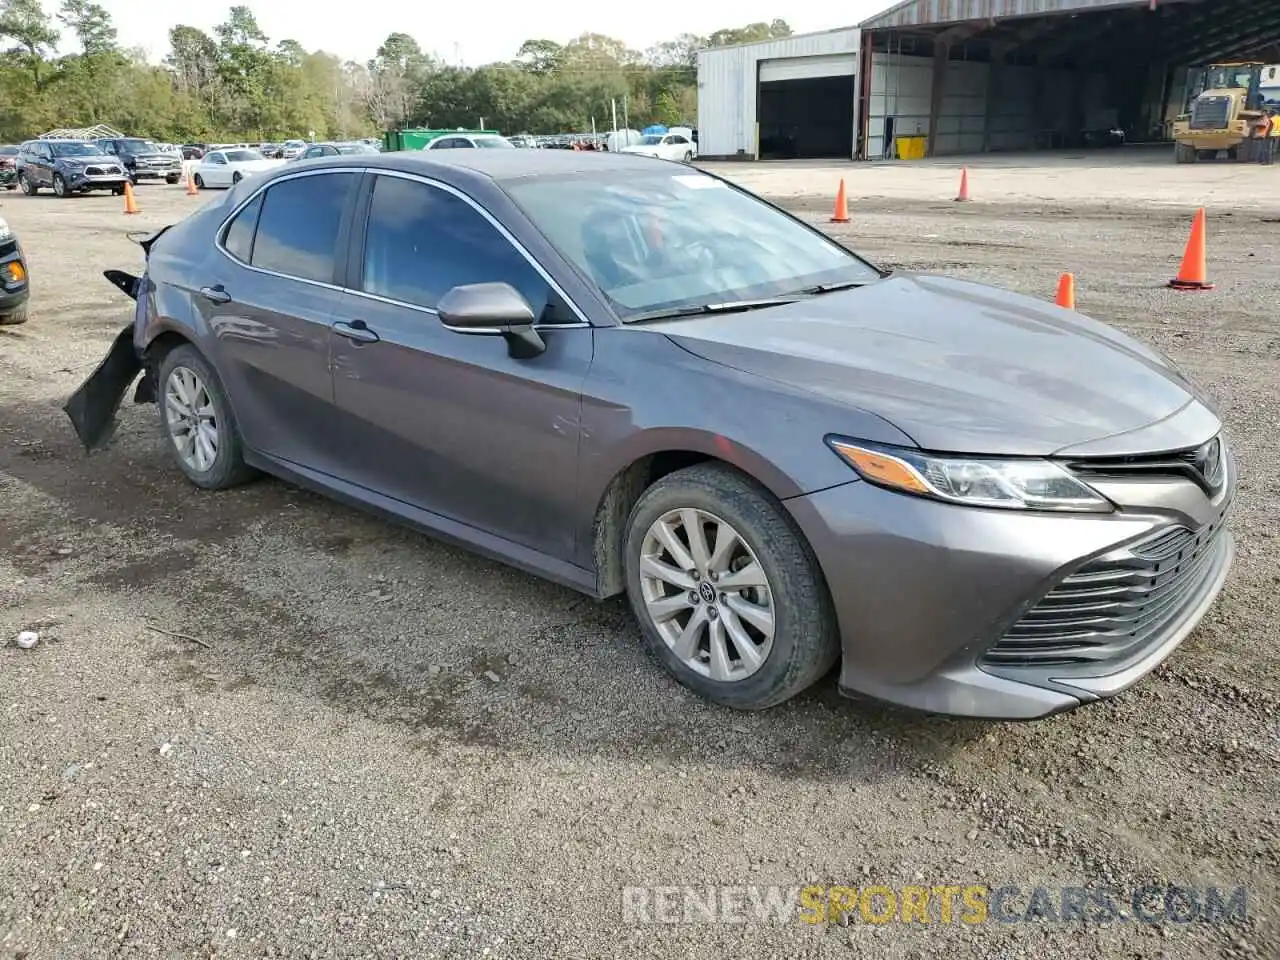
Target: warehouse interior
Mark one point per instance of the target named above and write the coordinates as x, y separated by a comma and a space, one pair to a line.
806, 118
1061, 79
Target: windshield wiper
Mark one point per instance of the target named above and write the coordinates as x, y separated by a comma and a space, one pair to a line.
706, 309
833, 287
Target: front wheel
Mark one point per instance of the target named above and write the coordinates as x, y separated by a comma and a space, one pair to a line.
199, 182
728, 594
196, 418
236, 178
60, 187
14, 317
172, 179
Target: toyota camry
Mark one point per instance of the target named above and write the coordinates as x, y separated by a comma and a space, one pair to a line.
631, 376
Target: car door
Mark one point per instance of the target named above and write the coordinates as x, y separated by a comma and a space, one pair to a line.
267, 299
43, 166
215, 170
450, 422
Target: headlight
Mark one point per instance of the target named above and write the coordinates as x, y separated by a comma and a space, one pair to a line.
5, 233
1011, 484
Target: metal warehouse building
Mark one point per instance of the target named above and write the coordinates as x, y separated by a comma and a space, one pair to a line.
972, 76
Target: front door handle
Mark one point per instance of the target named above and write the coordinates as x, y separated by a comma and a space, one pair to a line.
355, 330
215, 294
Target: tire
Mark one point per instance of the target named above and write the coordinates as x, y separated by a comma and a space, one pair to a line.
60, 187
117, 191
805, 642
14, 317
1184, 153
199, 182
688, 156
11, 186
236, 178
227, 467
29, 188
172, 180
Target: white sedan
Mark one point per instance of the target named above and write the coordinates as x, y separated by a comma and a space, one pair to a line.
226, 168
669, 146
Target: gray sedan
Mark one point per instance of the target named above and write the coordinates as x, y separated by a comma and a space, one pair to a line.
633, 377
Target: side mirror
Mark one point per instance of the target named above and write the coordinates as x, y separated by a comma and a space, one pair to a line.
492, 310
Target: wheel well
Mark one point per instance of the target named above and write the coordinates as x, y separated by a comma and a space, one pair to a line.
610, 528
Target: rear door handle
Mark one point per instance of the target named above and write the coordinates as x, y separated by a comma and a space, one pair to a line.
355, 330
215, 294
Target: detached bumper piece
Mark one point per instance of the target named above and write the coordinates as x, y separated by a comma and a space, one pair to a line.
92, 408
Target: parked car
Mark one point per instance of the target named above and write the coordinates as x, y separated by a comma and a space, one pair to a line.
15, 282
193, 151
466, 141
9, 166
335, 150
667, 146
226, 168
290, 149
68, 167
637, 377
143, 159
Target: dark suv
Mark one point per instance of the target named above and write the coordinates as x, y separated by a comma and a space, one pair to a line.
68, 167
143, 159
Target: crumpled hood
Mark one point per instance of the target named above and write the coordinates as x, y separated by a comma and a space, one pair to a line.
958, 366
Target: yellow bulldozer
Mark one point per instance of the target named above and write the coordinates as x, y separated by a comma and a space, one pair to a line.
1226, 111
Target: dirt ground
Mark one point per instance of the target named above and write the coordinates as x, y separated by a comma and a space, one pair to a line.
382, 746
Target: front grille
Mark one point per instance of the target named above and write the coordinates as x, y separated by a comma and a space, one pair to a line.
1210, 113
101, 171
1115, 603
1205, 466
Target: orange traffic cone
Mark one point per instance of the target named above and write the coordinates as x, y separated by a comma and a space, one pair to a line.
130, 204
963, 196
841, 214
192, 189
1066, 291
1193, 274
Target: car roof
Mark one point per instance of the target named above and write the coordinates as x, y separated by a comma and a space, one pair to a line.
503, 165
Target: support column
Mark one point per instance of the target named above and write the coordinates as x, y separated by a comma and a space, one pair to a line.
941, 55
995, 74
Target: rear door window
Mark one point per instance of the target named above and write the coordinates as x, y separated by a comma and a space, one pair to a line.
297, 231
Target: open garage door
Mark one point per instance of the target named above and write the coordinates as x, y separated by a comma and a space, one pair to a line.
806, 107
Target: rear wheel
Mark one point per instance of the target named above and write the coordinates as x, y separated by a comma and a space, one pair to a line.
688, 156
236, 178
1184, 153
729, 596
198, 423
29, 188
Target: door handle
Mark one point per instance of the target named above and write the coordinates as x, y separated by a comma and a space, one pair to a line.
355, 330
215, 294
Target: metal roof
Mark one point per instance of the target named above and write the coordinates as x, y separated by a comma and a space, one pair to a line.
911, 13
99, 132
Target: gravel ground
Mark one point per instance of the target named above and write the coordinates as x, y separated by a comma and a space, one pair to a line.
365, 743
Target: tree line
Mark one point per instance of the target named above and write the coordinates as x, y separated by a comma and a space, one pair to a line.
238, 84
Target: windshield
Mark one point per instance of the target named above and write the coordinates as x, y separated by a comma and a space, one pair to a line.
650, 140
295, 143
489, 142
355, 148
243, 156
1225, 78
75, 149
138, 146
658, 241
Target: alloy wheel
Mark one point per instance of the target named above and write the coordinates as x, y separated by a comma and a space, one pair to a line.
707, 594
192, 419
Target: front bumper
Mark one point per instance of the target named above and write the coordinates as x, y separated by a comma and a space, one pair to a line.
933, 600
15, 282
79, 180
141, 172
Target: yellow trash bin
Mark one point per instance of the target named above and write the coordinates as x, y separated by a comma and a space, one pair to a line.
910, 148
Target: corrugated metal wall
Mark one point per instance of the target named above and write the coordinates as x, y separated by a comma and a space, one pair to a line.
727, 86
918, 12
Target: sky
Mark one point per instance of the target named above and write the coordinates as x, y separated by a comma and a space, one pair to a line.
471, 33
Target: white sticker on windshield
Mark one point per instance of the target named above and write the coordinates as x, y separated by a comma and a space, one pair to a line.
697, 181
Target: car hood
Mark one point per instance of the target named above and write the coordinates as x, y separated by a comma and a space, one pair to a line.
644, 151
960, 367
265, 164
